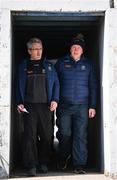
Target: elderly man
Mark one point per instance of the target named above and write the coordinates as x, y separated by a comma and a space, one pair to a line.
77, 104
37, 97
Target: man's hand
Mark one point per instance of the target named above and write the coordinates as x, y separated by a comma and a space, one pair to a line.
92, 113
53, 105
20, 108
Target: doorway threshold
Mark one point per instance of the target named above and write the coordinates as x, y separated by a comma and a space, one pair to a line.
67, 176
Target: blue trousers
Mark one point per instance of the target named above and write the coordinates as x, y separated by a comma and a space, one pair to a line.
72, 121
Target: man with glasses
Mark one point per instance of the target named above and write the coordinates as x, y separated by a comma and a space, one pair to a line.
37, 96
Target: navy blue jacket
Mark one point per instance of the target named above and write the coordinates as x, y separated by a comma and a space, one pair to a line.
52, 82
77, 81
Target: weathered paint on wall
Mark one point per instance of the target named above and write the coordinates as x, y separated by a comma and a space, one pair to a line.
5, 51
56, 5
109, 69
115, 3
110, 93
5, 81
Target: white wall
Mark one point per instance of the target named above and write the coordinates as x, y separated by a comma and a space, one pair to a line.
56, 5
109, 71
110, 93
5, 81
115, 3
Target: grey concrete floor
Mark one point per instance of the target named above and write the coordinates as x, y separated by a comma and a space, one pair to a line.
68, 177
64, 176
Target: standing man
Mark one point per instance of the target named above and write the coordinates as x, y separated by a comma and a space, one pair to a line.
77, 103
37, 96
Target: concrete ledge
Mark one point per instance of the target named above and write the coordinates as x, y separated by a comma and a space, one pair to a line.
70, 177
56, 5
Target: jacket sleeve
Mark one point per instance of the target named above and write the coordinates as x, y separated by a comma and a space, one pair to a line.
20, 83
17, 88
92, 88
56, 87
57, 66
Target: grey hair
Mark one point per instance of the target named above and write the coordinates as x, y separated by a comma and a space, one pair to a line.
33, 40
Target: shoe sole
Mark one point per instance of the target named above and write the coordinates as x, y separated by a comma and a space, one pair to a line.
79, 171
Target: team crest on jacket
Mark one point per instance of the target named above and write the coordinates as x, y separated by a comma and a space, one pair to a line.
68, 65
29, 72
83, 67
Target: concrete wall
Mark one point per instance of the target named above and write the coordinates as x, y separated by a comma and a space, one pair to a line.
5, 81
56, 5
109, 69
110, 93
115, 3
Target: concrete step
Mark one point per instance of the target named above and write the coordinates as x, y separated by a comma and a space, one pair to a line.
65, 176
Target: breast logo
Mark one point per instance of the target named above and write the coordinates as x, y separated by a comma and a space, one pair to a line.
68, 66
29, 72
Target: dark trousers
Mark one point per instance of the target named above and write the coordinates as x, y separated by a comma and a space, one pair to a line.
38, 134
72, 123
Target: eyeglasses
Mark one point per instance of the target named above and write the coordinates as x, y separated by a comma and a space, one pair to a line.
36, 49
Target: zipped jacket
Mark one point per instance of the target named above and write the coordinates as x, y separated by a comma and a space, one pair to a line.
77, 81
52, 82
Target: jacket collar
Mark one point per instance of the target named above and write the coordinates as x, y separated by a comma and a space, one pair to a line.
68, 57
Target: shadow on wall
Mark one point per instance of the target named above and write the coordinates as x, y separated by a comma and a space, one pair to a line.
3, 172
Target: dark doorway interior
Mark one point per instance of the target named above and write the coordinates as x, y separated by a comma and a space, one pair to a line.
56, 31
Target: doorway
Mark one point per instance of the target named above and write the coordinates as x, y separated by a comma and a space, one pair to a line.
56, 30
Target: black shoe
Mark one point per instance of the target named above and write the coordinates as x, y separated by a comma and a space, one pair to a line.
31, 172
43, 168
79, 170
